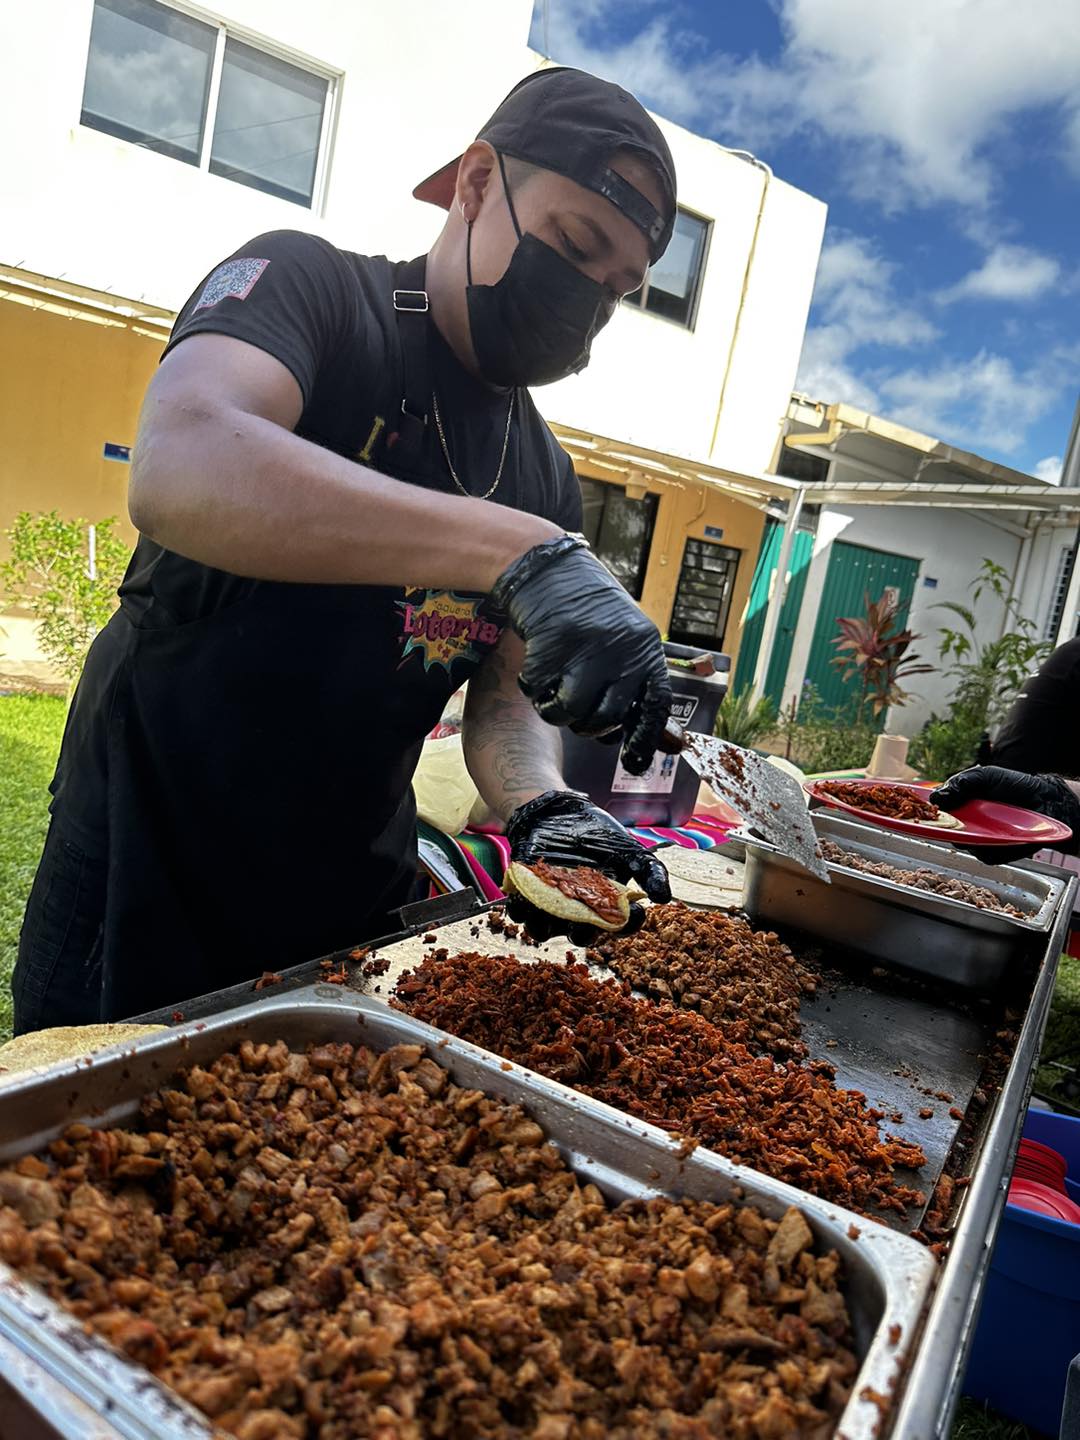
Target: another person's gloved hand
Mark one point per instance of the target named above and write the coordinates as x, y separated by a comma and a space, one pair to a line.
1046, 794
593, 660
565, 828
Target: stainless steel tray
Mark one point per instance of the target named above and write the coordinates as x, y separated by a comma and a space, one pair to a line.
888, 1275
901, 925
929, 1398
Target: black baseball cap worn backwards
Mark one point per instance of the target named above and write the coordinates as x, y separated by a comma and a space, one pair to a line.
572, 123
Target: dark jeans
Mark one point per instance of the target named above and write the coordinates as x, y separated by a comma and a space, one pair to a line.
57, 977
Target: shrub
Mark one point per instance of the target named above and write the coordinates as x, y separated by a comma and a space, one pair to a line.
49, 574
987, 676
818, 737
743, 720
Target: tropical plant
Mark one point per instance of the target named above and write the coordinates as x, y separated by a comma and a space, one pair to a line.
744, 720
874, 649
987, 676
50, 573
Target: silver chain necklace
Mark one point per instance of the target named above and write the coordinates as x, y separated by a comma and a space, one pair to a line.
450, 464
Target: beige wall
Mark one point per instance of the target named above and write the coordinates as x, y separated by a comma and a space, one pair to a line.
69, 385
682, 515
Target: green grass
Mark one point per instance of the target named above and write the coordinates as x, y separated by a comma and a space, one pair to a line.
1062, 1043
976, 1422
30, 730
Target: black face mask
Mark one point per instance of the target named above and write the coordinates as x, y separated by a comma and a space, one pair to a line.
537, 323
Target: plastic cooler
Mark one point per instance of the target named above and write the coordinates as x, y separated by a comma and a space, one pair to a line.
666, 793
1029, 1325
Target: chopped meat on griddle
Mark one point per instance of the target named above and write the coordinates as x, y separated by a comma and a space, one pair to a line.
922, 879
670, 1067
744, 980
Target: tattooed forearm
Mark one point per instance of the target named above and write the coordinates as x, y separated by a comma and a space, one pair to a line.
511, 753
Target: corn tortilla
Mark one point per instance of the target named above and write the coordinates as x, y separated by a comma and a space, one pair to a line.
39, 1049
708, 879
521, 880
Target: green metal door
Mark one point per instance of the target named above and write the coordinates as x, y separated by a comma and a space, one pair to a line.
854, 572
760, 590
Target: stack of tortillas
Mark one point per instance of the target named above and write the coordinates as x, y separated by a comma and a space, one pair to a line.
39, 1049
706, 878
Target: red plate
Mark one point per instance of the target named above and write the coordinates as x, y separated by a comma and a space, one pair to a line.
986, 822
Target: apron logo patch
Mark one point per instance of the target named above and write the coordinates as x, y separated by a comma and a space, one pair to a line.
444, 627
234, 280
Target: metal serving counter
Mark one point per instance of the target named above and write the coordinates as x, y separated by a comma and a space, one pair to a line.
904, 1040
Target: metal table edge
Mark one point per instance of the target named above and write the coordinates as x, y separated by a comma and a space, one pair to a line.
925, 1409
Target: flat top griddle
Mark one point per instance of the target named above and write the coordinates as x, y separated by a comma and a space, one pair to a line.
894, 1048
893, 1044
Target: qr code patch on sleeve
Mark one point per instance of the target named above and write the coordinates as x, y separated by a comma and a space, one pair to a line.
234, 280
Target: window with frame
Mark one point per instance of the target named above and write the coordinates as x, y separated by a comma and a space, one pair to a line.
191, 90
672, 285
619, 530
799, 465
1062, 578
699, 615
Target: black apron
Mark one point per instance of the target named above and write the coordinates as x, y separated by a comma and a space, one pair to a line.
224, 861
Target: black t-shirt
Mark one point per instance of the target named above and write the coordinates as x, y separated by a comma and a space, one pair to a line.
242, 749
1039, 734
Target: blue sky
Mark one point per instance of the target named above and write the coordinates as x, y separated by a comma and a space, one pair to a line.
944, 135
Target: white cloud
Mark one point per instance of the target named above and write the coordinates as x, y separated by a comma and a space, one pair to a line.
1009, 272
1072, 139
912, 103
825, 372
984, 401
914, 96
856, 306
855, 289
1049, 469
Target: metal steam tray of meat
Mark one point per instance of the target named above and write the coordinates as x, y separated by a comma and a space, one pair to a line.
912, 903
124, 1139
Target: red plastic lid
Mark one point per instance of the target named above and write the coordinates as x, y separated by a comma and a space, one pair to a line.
1041, 1177
1028, 1195
1035, 1150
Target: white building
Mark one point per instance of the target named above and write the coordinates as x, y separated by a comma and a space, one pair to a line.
885, 506
144, 141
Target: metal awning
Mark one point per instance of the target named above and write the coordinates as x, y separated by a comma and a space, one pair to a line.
81, 302
1045, 499
874, 461
628, 464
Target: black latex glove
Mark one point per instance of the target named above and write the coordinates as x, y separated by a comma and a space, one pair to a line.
593, 659
1045, 794
565, 828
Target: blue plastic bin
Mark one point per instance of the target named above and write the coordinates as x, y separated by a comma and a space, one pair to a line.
1029, 1326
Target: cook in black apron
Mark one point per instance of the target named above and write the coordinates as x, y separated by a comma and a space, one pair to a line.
232, 793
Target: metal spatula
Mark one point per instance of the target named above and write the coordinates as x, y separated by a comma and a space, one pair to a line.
768, 800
